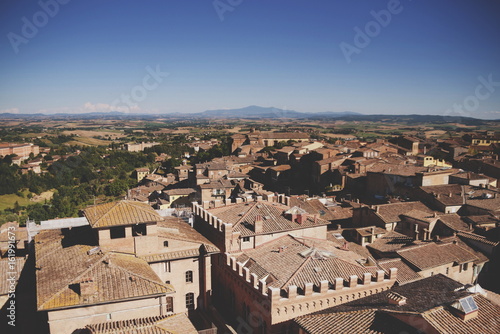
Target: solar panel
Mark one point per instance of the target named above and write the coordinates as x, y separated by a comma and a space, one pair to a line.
468, 304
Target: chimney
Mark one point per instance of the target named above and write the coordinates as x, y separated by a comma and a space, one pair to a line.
395, 298
258, 224
377, 209
88, 287
301, 218
416, 232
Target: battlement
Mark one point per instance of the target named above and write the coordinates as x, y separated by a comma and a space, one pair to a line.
339, 285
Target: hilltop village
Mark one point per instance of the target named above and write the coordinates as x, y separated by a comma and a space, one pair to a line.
278, 232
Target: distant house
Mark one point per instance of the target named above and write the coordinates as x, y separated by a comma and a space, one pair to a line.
139, 147
141, 173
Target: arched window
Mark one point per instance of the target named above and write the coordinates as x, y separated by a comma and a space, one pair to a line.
189, 276
190, 301
165, 243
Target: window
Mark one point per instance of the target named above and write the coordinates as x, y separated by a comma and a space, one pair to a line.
117, 232
190, 301
246, 239
189, 276
165, 243
166, 266
108, 316
447, 271
170, 304
466, 266
139, 230
167, 282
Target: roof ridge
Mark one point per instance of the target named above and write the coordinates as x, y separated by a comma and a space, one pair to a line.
141, 207
245, 215
136, 274
115, 204
296, 272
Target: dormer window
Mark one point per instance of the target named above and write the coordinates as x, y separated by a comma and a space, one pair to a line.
466, 308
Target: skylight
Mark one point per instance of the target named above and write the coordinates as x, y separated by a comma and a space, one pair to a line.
468, 304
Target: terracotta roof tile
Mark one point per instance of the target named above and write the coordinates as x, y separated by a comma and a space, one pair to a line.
301, 261
360, 322
432, 254
120, 213
390, 212
405, 273
64, 259
10, 269
243, 216
487, 321
454, 222
174, 324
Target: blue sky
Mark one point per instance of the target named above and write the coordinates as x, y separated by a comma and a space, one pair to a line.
288, 54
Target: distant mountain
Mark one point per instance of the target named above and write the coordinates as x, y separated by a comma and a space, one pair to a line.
257, 112
270, 112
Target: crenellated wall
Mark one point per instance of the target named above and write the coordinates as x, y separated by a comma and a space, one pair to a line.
285, 304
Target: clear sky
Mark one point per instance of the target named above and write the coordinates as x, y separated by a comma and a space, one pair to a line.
302, 55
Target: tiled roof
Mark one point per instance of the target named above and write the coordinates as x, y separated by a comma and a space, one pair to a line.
420, 215
20, 232
120, 213
174, 324
482, 220
281, 135
360, 322
396, 169
320, 260
390, 242
487, 321
405, 273
6, 269
422, 295
454, 222
179, 191
390, 212
314, 206
64, 259
176, 228
432, 254
243, 216
220, 183
476, 237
